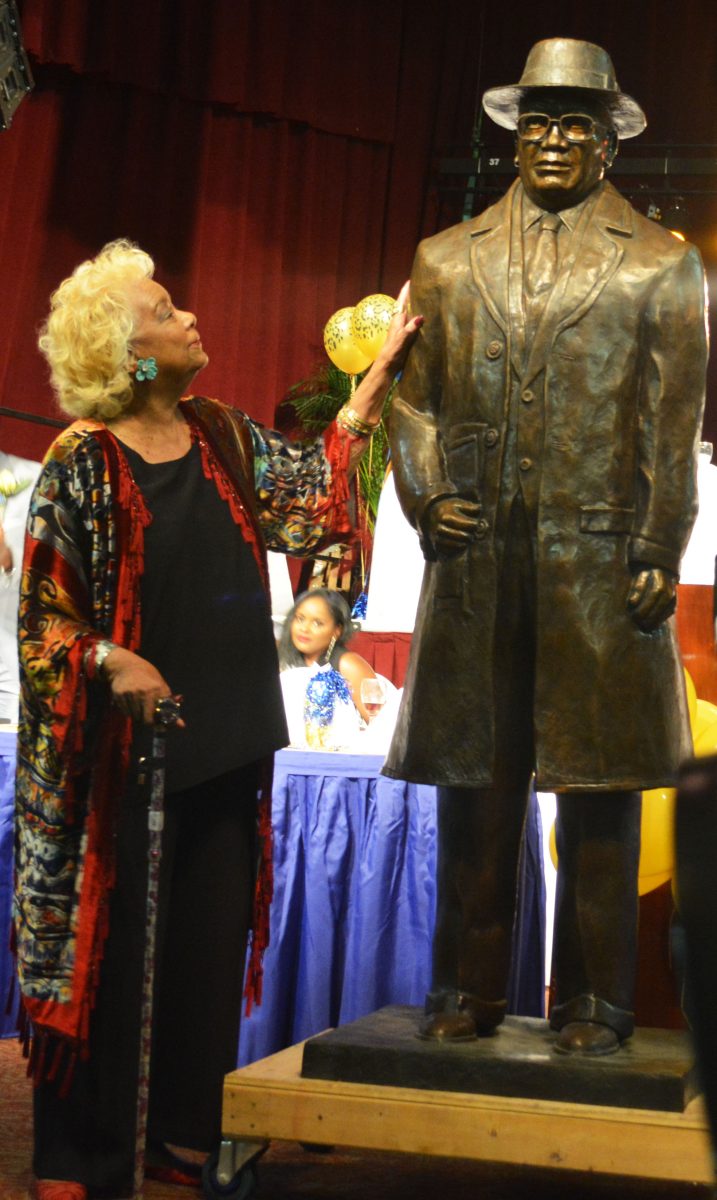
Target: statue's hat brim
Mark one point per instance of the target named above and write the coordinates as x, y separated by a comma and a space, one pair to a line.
568, 63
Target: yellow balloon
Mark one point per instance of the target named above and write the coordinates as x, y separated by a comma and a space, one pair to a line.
370, 322
657, 838
691, 698
340, 345
705, 740
705, 720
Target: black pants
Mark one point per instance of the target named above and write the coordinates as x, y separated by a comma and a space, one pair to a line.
480, 832
204, 911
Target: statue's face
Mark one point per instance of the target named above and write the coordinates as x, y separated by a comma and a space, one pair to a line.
558, 171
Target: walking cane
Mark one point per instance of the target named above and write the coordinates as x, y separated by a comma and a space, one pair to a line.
166, 714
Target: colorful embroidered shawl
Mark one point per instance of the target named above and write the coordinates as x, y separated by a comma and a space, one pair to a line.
81, 574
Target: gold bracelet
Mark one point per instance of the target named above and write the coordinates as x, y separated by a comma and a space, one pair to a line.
349, 419
348, 427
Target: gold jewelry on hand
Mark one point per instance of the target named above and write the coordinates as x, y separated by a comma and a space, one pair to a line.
347, 418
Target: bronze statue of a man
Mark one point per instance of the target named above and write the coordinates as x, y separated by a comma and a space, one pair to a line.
544, 442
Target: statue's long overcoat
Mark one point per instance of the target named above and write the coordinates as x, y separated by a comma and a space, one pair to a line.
610, 395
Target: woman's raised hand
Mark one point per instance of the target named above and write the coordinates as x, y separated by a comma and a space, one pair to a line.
368, 399
401, 335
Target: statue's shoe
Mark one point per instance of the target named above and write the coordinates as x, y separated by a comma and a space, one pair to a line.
454, 1016
448, 1027
586, 1038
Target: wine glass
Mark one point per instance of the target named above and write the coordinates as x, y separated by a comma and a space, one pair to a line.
373, 696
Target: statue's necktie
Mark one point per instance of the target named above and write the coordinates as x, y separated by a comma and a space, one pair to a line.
543, 265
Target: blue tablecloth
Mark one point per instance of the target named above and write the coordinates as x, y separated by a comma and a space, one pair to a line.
354, 898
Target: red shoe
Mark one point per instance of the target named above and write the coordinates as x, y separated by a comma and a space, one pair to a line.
167, 1167
185, 1176
59, 1189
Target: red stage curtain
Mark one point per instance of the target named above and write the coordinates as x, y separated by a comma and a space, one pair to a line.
262, 221
332, 65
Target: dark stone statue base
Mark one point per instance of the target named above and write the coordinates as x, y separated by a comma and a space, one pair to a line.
653, 1070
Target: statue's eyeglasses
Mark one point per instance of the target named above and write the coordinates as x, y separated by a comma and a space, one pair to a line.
575, 127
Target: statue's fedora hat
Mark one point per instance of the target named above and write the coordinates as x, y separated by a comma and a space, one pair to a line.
567, 63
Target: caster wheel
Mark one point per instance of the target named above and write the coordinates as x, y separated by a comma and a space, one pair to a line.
241, 1187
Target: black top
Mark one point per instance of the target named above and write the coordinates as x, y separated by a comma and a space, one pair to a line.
206, 624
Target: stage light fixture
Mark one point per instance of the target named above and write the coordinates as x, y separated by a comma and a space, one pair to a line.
15, 74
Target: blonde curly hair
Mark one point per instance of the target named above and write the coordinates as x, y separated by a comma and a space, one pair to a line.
87, 334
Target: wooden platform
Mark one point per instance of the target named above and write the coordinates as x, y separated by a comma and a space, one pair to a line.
270, 1099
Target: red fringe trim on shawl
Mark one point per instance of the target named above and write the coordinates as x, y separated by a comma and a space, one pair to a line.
38, 1044
263, 891
337, 447
215, 470
64, 1026
241, 514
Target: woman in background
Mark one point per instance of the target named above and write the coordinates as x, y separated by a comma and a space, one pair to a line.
316, 631
320, 678
313, 642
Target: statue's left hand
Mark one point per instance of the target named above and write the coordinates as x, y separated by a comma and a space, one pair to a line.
652, 597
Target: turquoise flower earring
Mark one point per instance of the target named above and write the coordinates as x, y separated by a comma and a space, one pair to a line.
146, 369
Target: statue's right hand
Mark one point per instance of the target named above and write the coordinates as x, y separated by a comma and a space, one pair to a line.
135, 684
451, 524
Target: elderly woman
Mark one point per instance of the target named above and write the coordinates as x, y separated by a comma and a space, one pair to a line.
145, 576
